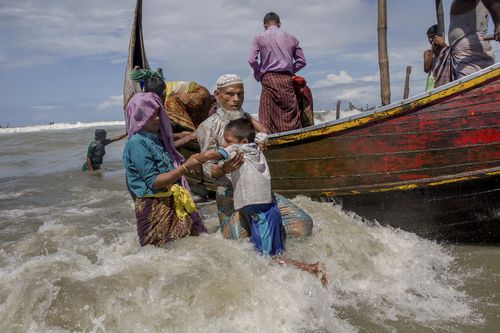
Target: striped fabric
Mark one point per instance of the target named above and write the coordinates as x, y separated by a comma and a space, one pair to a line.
278, 110
234, 225
465, 56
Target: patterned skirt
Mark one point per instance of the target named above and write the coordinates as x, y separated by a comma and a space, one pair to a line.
157, 222
235, 225
278, 109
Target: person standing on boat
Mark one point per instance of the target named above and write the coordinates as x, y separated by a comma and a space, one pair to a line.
431, 56
230, 96
467, 52
280, 58
96, 150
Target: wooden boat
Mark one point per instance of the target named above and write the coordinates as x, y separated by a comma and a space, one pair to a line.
429, 164
136, 55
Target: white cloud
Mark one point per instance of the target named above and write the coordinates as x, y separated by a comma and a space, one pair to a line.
200, 40
333, 79
112, 102
371, 78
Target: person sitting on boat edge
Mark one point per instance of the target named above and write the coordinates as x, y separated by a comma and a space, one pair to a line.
155, 171
230, 96
253, 196
431, 55
96, 150
280, 58
467, 52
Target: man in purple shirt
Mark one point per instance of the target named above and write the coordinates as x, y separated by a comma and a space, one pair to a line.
280, 58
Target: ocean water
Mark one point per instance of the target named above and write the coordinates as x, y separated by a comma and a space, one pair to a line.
70, 261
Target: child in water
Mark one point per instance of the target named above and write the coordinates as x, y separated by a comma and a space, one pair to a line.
96, 151
252, 193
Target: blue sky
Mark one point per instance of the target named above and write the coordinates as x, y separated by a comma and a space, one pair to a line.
64, 60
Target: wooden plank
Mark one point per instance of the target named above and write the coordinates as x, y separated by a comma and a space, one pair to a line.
308, 185
465, 157
367, 144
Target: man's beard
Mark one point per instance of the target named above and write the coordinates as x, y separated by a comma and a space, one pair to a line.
233, 114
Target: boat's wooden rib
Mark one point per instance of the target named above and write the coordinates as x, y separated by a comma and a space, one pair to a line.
429, 164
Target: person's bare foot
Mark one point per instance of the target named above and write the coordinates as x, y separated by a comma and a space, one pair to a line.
324, 275
319, 269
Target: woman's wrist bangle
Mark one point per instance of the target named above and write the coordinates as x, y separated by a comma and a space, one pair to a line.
184, 167
179, 171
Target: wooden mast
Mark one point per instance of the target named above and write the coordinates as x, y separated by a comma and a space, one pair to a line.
136, 55
440, 17
383, 58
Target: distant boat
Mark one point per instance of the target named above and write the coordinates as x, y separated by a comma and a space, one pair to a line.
353, 107
429, 164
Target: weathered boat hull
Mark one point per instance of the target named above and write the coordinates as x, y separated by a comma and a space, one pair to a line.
463, 211
428, 165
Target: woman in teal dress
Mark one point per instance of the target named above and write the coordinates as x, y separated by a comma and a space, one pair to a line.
155, 171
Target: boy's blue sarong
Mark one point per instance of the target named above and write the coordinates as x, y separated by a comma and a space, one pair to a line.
266, 228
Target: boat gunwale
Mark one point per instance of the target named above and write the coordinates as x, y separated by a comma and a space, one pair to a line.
411, 104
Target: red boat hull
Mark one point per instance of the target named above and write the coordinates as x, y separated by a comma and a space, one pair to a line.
429, 165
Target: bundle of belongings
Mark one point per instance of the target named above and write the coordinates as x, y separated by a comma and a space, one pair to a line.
304, 100
187, 103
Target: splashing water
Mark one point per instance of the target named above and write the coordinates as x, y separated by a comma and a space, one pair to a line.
70, 262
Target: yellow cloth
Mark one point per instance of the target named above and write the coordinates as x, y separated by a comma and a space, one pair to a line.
183, 201
177, 87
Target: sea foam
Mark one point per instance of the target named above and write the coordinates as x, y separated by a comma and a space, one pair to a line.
59, 126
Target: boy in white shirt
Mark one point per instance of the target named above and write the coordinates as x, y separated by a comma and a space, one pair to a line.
252, 192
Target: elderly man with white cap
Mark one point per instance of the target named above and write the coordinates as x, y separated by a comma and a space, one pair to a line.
230, 96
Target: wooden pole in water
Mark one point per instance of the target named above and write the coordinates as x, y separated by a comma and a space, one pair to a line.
337, 115
383, 59
407, 83
440, 17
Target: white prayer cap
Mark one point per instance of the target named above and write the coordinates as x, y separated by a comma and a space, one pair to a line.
228, 80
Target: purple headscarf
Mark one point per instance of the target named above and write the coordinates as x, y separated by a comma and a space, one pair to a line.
143, 106
140, 108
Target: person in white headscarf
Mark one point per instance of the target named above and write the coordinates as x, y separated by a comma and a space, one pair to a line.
230, 96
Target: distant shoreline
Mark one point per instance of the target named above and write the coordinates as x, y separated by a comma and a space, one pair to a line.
320, 117
59, 126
